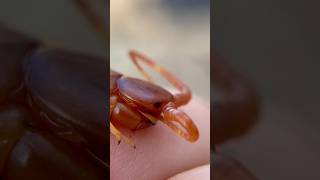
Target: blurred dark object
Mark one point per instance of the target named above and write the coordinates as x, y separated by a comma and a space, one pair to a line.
91, 13
235, 102
277, 42
52, 101
230, 169
236, 106
52, 112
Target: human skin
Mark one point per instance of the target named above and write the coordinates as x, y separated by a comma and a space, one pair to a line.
160, 153
201, 172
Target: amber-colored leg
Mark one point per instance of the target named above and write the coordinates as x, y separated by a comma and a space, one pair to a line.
172, 117
181, 98
119, 136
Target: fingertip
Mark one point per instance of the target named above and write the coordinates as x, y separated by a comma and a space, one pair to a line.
201, 172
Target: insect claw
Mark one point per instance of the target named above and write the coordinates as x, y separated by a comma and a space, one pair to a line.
189, 131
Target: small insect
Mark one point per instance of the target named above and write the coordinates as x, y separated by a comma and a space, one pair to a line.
136, 104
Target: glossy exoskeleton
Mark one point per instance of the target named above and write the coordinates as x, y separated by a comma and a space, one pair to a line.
53, 112
136, 104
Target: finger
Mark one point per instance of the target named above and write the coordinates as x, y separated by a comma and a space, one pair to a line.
202, 172
161, 154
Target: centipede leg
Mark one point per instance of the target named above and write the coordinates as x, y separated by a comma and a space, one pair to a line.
171, 115
183, 97
118, 135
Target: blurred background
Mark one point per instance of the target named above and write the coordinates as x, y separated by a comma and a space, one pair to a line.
175, 33
276, 44
56, 22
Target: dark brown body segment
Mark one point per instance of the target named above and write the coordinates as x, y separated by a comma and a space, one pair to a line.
14, 48
42, 156
12, 126
73, 104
